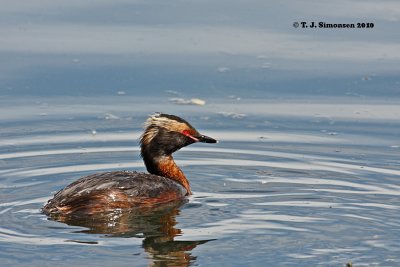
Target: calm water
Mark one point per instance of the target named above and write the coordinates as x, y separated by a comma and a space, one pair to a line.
313, 185
307, 169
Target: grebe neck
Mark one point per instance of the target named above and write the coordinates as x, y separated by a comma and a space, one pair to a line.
166, 166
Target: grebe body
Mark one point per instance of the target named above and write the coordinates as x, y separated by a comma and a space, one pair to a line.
103, 192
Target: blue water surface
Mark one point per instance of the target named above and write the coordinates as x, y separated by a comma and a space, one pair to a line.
306, 172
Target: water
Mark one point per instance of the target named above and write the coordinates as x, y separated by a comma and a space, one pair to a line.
306, 172
314, 186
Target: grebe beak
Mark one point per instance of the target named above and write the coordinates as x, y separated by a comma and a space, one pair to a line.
206, 139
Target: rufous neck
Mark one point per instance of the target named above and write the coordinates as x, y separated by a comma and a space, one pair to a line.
166, 166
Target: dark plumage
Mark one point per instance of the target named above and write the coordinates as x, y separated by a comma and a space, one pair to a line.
108, 191
113, 190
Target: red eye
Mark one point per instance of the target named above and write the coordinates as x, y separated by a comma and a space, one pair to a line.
189, 134
186, 132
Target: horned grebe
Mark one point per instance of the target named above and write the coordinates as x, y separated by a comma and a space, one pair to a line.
102, 192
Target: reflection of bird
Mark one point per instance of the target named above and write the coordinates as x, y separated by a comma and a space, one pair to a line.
156, 225
164, 134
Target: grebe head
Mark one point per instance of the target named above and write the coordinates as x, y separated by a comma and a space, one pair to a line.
164, 134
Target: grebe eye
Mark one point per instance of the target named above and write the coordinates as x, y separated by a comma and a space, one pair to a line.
186, 132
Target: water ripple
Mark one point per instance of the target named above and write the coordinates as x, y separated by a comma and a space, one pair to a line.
358, 188
250, 221
275, 189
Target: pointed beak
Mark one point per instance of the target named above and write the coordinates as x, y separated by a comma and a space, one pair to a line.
196, 137
206, 139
